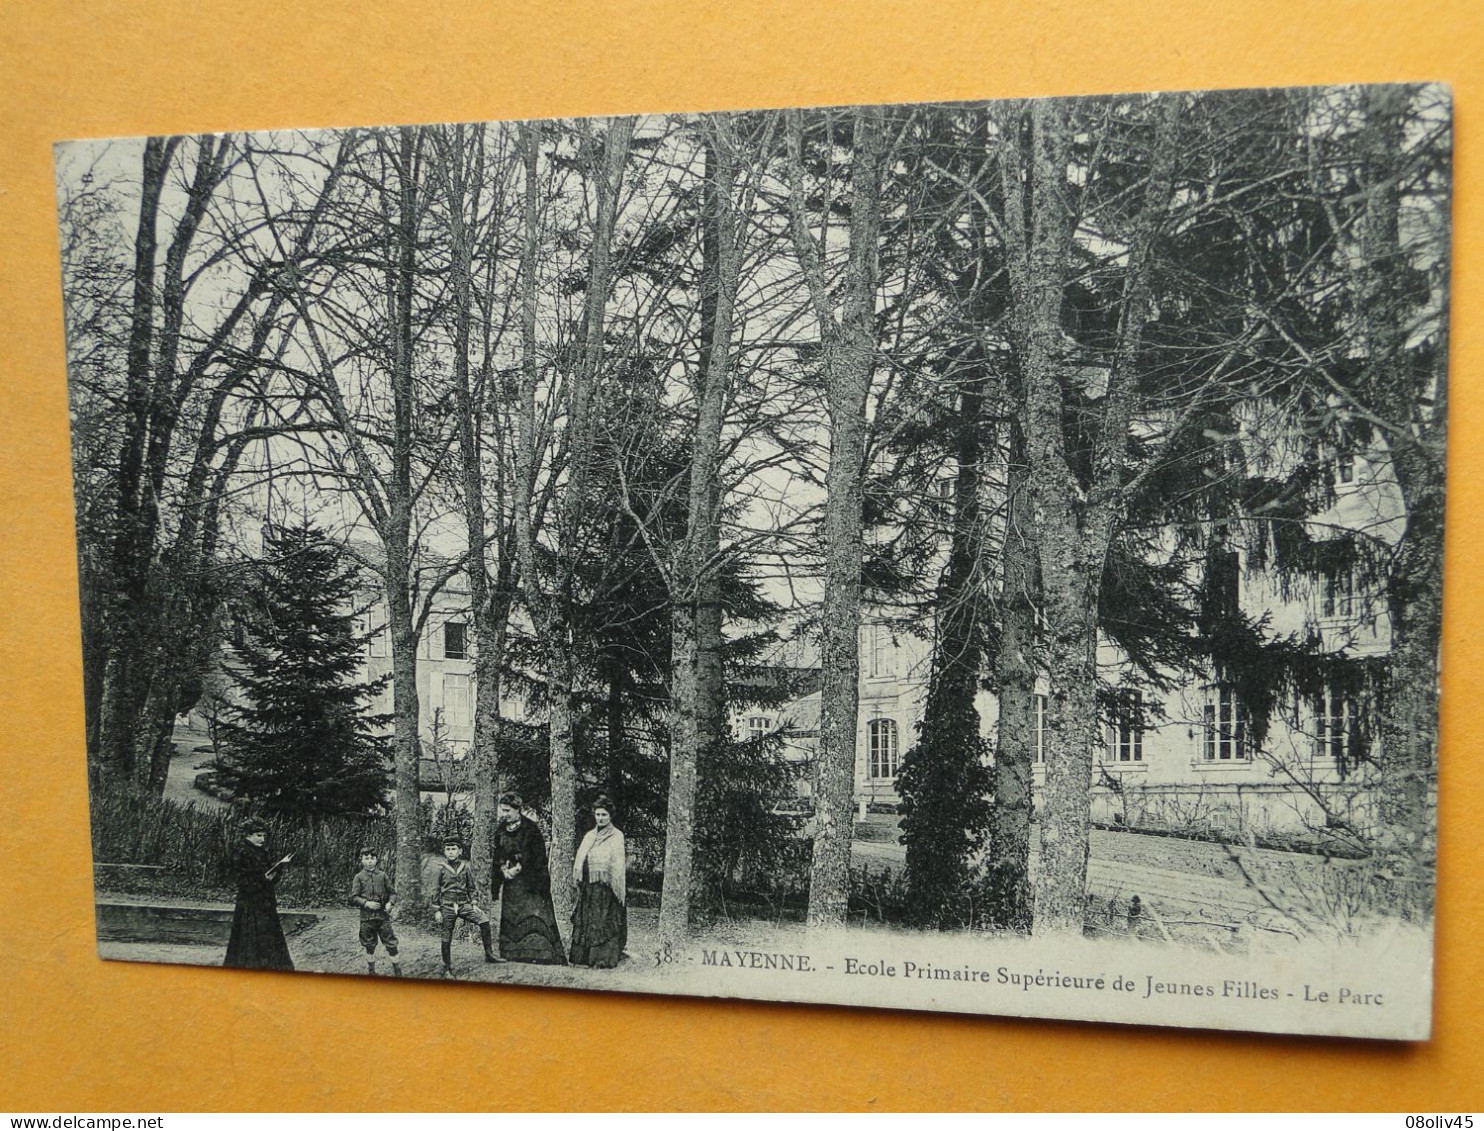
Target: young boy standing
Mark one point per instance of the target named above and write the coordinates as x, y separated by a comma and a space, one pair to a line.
371, 890
452, 897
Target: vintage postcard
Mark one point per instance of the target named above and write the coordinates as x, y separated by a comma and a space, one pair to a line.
981, 557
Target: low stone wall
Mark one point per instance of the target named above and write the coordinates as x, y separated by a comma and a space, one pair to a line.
197, 924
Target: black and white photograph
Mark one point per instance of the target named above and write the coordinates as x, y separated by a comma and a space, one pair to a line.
980, 557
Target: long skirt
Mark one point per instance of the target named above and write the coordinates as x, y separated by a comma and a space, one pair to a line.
528, 930
257, 941
600, 927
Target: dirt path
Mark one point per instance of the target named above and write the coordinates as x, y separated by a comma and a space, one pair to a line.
180, 782
1181, 882
331, 947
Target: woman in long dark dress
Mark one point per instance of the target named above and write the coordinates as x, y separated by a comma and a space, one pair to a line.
522, 881
257, 941
600, 925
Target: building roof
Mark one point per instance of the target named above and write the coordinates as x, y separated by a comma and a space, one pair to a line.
800, 717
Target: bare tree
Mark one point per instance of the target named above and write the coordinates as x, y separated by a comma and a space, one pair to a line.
1409, 388
1379, 165
386, 462
849, 341
201, 323
696, 615
468, 171
1015, 677
550, 604
1074, 524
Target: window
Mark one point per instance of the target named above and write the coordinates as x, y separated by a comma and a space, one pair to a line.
1225, 726
758, 726
1338, 599
379, 645
945, 486
455, 640
1126, 734
1040, 728
883, 740
1336, 727
1344, 468
881, 652
458, 700
1224, 582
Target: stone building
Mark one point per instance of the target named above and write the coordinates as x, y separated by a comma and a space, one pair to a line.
1195, 764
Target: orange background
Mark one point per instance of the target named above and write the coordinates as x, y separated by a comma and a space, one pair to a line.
82, 1035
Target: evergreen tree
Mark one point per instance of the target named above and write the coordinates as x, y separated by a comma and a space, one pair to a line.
745, 840
299, 741
945, 782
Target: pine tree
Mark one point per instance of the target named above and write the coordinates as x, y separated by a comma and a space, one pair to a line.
299, 742
945, 781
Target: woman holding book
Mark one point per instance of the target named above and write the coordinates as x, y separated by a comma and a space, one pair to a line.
257, 941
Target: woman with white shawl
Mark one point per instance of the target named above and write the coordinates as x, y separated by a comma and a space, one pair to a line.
600, 925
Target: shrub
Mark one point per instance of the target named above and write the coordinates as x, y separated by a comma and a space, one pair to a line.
881, 894
194, 846
448, 819
748, 819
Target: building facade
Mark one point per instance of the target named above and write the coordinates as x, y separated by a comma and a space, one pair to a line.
1196, 763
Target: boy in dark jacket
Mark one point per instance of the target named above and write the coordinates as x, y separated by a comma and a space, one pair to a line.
452, 897
371, 890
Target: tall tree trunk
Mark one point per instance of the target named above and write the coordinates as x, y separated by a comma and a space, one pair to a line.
696, 617
1074, 525
1398, 388
126, 620
137, 701
527, 466
462, 188
552, 610
849, 356
396, 533
156, 647
560, 642
1071, 705
170, 652
1409, 693
1015, 675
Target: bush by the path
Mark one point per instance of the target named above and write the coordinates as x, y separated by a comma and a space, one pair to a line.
187, 851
